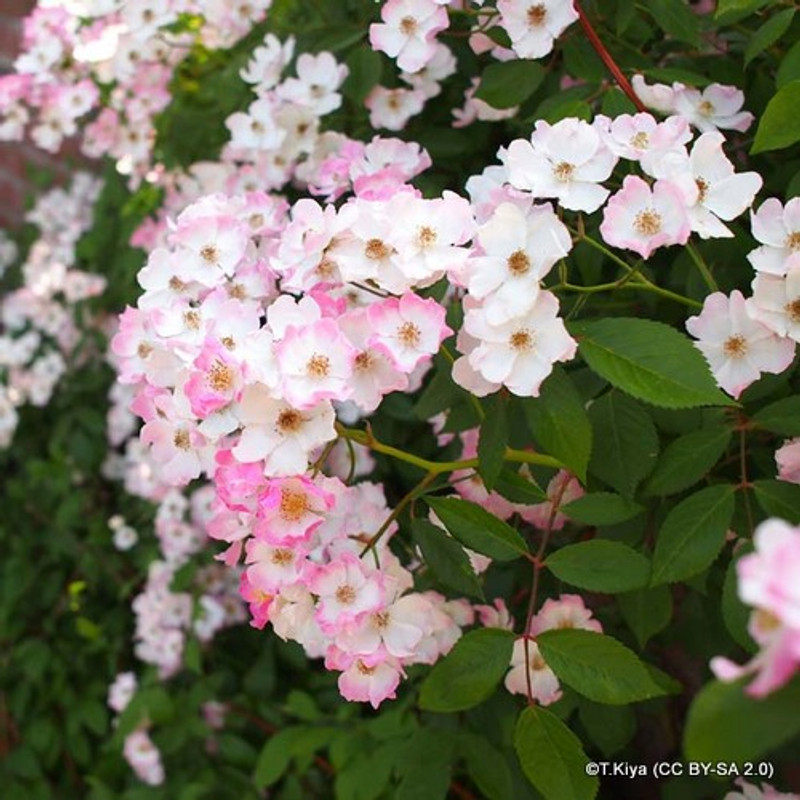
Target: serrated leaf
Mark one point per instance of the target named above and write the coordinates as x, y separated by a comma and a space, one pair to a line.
600, 566
597, 666
469, 673
650, 361
779, 125
626, 442
446, 558
601, 508
559, 423
686, 460
692, 534
782, 416
479, 530
509, 83
677, 19
768, 34
552, 756
779, 499
646, 611
714, 729
519, 489
492, 441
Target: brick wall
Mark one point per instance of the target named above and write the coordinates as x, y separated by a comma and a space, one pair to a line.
18, 158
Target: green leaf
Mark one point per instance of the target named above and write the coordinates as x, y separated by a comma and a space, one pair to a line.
492, 441
446, 558
768, 34
366, 777
597, 666
509, 83
479, 530
559, 423
600, 566
781, 417
779, 126
552, 756
735, 613
626, 442
686, 460
609, 728
715, 729
518, 488
469, 673
365, 67
275, 756
646, 611
730, 11
487, 767
601, 508
779, 499
677, 19
650, 361
789, 69
692, 534
424, 766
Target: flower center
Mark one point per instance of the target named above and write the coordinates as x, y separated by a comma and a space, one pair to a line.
326, 268
381, 619
793, 310
640, 140
376, 250
293, 505
647, 223
229, 342
176, 284
408, 26
144, 349
766, 620
563, 171
181, 440
209, 253
793, 241
192, 320
735, 346
289, 421
363, 668
706, 108
702, 189
426, 237
363, 361
409, 334
521, 340
237, 292
318, 366
220, 377
536, 15
346, 594
282, 556
518, 262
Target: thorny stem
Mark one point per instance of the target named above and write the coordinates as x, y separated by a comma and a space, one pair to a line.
745, 483
633, 278
367, 439
412, 495
702, 267
607, 58
538, 563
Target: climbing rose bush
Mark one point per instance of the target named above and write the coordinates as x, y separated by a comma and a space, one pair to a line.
449, 344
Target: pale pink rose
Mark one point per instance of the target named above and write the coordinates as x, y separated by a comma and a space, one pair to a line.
787, 457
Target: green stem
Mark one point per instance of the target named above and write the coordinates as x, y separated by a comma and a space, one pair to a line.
366, 439
702, 267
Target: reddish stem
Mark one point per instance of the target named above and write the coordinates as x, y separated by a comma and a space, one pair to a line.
607, 58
